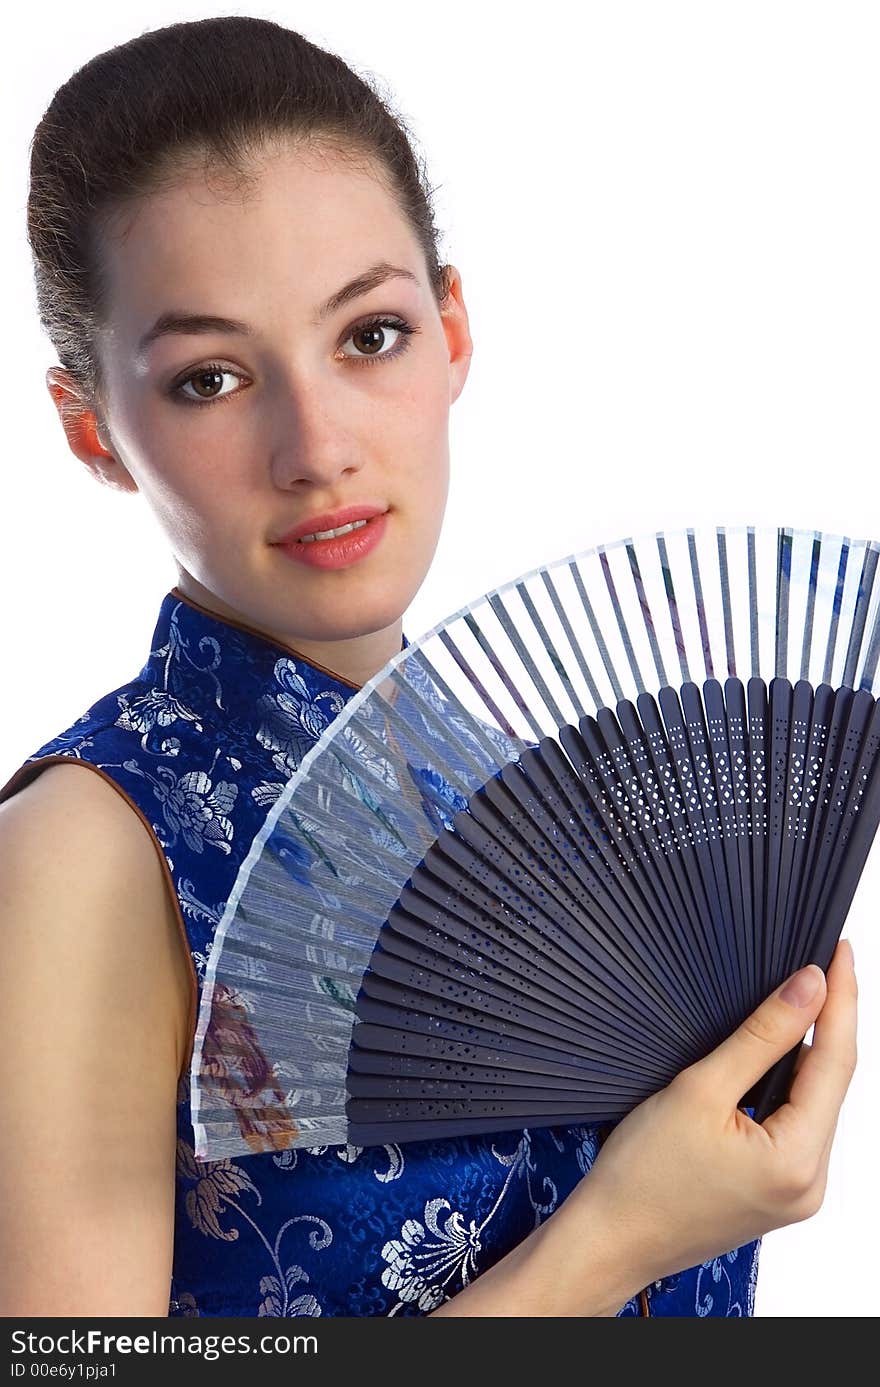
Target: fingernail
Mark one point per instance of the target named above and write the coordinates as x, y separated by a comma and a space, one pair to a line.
802, 987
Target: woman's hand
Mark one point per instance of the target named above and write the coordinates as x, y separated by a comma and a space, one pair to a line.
688, 1175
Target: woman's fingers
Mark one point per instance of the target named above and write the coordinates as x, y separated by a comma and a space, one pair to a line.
825, 1068
771, 1030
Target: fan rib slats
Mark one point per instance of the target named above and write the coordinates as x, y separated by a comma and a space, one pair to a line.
556, 850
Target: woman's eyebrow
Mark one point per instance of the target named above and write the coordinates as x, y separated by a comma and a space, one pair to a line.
191, 324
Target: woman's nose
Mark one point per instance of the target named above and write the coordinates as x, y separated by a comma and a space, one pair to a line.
311, 442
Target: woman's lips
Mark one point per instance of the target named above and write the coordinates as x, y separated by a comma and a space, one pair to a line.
340, 552
332, 520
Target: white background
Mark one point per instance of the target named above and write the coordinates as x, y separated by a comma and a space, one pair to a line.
667, 221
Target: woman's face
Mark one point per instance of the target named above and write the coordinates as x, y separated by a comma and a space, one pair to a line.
307, 412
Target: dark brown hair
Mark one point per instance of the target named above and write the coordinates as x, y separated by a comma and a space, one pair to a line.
206, 94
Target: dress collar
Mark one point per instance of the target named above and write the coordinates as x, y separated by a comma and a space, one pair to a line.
214, 667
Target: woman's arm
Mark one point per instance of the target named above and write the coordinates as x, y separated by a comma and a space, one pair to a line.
688, 1175
91, 1033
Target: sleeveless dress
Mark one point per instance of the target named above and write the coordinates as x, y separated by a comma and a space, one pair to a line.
200, 743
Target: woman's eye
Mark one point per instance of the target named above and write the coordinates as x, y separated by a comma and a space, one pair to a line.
369, 338
204, 374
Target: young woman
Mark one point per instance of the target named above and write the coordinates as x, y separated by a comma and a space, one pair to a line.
236, 264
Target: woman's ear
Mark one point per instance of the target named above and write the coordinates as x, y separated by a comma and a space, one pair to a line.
87, 435
454, 317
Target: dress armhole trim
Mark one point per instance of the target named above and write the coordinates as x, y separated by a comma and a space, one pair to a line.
28, 772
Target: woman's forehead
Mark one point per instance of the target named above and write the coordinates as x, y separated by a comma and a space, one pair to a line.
303, 231
290, 192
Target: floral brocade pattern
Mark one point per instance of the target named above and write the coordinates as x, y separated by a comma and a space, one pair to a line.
202, 741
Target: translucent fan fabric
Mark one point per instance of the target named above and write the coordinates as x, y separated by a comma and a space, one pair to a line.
271, 1058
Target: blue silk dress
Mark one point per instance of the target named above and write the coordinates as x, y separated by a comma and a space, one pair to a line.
200, 743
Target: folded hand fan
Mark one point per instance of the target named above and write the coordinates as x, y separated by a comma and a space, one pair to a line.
555, 851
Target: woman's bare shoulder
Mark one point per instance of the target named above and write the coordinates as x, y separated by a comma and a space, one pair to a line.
62, 788
74, 800
70, 829
93, 1037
